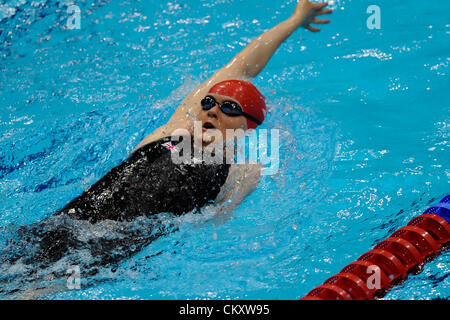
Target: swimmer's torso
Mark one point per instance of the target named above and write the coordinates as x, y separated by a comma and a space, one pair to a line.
149, 182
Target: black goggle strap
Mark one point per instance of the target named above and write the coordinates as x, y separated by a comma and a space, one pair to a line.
249, 116
240, 112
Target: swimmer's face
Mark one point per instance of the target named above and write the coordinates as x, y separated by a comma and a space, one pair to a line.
215, 119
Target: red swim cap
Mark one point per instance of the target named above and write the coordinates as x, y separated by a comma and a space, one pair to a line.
251, 100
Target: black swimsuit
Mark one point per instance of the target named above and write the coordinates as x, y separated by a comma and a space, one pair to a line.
145, 184
149, 182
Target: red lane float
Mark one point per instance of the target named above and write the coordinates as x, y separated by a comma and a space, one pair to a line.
394, 258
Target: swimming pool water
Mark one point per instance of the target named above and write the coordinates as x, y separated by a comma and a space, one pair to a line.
363, 116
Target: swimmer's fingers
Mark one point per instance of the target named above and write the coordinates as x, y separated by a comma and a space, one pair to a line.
321, 12
320, 21
319, 6
312, 29
307, 12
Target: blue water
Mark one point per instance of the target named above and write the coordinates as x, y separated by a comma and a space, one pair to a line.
364, 117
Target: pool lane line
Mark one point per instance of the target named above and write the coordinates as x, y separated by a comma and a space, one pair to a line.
388, 264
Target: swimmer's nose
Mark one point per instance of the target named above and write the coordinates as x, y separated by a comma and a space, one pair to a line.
213, 112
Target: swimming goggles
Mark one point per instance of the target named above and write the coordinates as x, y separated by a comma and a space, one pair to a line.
230, 108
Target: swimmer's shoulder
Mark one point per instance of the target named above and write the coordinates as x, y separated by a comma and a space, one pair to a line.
167, 130
241, 181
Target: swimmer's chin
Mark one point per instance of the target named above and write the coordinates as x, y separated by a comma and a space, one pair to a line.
206, 137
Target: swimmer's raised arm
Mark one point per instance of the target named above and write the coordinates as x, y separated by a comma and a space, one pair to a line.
252, 59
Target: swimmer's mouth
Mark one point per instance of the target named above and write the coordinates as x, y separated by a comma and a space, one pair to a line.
208, 125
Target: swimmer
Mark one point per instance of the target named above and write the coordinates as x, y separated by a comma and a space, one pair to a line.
148, 182
228, 100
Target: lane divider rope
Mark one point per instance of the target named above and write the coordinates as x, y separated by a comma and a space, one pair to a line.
404, 252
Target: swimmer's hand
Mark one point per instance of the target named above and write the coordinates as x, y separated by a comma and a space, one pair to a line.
306, 12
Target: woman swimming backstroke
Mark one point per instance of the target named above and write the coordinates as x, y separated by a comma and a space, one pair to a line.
211, 103
148, 182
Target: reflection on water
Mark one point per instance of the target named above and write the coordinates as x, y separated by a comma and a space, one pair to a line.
363, 127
